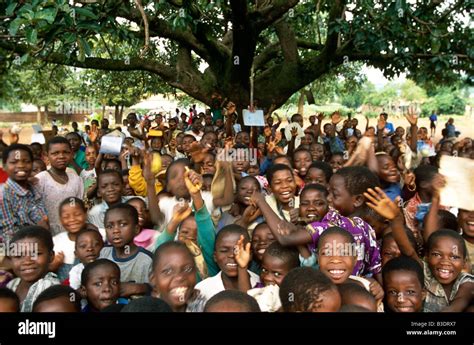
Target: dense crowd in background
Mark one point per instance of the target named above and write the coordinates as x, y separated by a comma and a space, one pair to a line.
198, 212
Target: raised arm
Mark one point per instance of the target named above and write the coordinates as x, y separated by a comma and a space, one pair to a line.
413, 120
155, 214
381, 203
227, 196
431, 223
293, 235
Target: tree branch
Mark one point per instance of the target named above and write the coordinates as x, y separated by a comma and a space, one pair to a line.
269, 15
287, 39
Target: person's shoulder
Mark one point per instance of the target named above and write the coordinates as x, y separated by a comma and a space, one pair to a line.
61, 237
143, 252
207, 283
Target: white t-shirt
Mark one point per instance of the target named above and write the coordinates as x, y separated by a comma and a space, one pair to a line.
213, 285
62, 243
75, 276
53, 193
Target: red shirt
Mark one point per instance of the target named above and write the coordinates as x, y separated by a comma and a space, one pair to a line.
3, 176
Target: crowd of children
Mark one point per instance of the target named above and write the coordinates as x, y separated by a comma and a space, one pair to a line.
204, 214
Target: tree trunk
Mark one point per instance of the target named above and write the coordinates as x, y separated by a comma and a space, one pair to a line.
301, 103
38, 114
103, 110
118, 116
46, 114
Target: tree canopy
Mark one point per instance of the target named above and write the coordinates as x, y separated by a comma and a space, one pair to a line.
212, 47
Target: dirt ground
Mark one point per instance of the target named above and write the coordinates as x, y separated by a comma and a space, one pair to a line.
465, 124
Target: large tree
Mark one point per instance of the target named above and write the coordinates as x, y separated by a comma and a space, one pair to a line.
211, 46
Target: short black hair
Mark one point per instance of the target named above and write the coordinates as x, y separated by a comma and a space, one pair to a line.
110, 172
314, 186
274, 168
15, 147
86, 272
232, 229
184, 161
189, 136
287, 254
56, 291
447, 220
425, 173
72, 201
114, 161
136, 198
43, 164
336, 230
294, 116
57, 140
36, 232
246, 301
301, 149
75, 134
288, 158
301, 287
352, 308
446, 233
6, 293
358, 179
147, 304
250, 178
404, 263
408, 232
349, 289
338, 153
86, 229
126, 208
167, 245
324, 167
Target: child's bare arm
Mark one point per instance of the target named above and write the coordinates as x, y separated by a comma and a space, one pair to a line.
286, 233
462, 299
193, 182
130, 289
381, 203
431, 223
413, 120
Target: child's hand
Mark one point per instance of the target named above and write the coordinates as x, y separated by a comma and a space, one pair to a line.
256, 198
376, 290
44, 222
197, 152
438, 183
409, 178
294, 214
250, 214
147, 174
411, 117
320, 117
294, 132
299, 181
57, 262
381, 203
193, 181
180, 212
242, 253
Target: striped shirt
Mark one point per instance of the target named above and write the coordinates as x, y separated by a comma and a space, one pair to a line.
18, 207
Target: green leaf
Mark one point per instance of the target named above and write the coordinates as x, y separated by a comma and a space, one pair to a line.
10, 9
48, 14
31, 36
435, 45
14, 26
84, 45
85, 12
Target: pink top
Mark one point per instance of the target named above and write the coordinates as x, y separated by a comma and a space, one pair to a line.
146, 238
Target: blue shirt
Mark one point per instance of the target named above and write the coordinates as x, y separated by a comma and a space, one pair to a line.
18, 207
393, 190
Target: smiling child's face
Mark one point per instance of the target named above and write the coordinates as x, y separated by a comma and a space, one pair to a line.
110, 187
313, 205
336, 258
339, 196
174, 277
262, 237
302, 161
445, 260
188, 230
72, 217
224, 254
389, 250
283, 186
404, 292
33, 261
315, 175
19, 166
